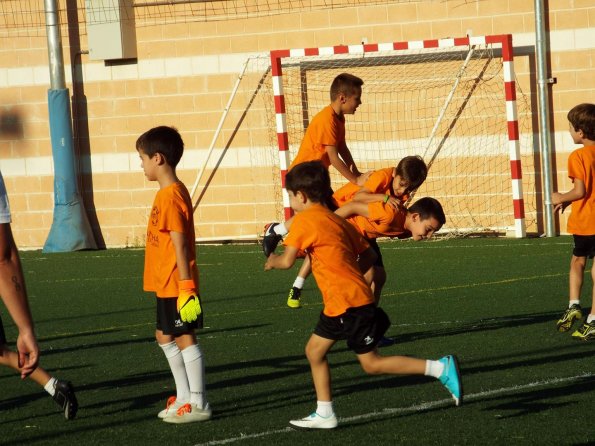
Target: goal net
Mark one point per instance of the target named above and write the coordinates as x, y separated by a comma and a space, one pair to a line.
455, 102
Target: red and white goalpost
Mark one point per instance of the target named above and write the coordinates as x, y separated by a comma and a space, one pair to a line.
452, 101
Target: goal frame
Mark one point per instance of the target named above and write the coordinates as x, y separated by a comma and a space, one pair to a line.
504, 41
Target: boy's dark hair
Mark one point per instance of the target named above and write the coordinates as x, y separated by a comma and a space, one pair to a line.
311, 179
582, 117
345, 83
164, 140
428, 207
412, 169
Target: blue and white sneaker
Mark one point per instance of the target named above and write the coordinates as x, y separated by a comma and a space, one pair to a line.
451, 378
315, 421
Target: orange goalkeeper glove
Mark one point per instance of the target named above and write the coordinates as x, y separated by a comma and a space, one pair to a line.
188, 301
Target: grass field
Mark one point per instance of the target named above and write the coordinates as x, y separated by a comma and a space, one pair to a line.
493, 302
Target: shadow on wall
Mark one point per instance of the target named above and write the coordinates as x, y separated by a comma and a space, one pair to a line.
11, 124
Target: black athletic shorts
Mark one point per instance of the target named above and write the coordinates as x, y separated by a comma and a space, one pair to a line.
374, 245
362, 327
168, 318
584, 246
3, 340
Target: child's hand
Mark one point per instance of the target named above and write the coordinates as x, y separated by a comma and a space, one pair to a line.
561, 207
268, 265
395, 203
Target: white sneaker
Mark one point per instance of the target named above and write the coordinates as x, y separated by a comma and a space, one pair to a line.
171, 407
190, 413
315, 421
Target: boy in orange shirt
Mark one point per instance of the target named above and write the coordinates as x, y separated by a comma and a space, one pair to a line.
391, 186
581, 223
324, 141
171, 272
335, 248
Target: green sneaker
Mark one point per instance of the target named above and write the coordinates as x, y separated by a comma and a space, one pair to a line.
586, 332
570, 315
293, 299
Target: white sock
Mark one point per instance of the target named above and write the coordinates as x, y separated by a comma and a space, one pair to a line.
195, 368
280, 229
176, 364
573, 302
434, 368
299, 282
590, 318
50, 386
324, 408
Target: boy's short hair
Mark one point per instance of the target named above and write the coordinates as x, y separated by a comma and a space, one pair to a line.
582, 117
412, 169
428, 207
164, 140
310, 178
345, 83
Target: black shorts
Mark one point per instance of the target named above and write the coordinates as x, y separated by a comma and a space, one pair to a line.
3, 340
168, 318
362, 327
584, 246
374, 245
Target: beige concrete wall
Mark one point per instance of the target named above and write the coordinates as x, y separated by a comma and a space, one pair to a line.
183, 77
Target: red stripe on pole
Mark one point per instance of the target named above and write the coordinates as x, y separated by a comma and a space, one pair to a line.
431, 43
401, 45
279, 104
288, 213
275, 65
372, 47
513, 130
311, 51
461, 41
341, 49
516, 172
519, 208
510, 90
282, 141
283, 175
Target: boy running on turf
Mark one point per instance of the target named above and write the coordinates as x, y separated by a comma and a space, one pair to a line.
392, 186
581, 223
349, 310
171, 272
324, 141
14, 294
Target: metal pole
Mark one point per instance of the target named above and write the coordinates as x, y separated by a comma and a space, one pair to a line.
52, 26
544, 117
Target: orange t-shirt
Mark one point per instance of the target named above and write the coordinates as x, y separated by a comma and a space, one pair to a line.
172, 211
383, 221
581, 166
380, 182
333, 246
326, 129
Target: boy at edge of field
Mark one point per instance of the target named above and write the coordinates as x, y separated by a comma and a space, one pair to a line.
339, 255
324, 141
171, 272
581, 222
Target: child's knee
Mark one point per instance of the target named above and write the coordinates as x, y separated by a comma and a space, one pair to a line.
371, 366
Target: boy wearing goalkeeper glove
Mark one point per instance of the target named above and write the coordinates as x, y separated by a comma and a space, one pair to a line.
581, 222
339, 255
171, 273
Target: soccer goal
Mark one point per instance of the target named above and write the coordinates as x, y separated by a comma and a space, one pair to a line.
452, 101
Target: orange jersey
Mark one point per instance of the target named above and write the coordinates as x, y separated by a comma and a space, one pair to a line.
326, 129
581, 166
380, 182
383, 221
172, 211
333, 246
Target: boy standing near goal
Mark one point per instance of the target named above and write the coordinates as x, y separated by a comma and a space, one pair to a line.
581, 222
324, 141
14, 295
339, 255
171, 272
391, 186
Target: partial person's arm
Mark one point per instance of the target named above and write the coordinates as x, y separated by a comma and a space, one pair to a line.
188, 304
352, 208
14, 295
282, 261
366, 196
342, 161
182, 258
562, 200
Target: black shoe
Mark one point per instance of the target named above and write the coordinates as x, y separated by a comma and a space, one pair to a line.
66, 399
270, 239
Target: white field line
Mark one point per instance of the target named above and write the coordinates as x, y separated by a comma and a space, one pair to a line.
416, 408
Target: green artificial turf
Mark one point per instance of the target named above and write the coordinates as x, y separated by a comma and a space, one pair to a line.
492, 302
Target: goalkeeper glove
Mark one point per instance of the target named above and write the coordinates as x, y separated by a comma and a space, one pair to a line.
188, 301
